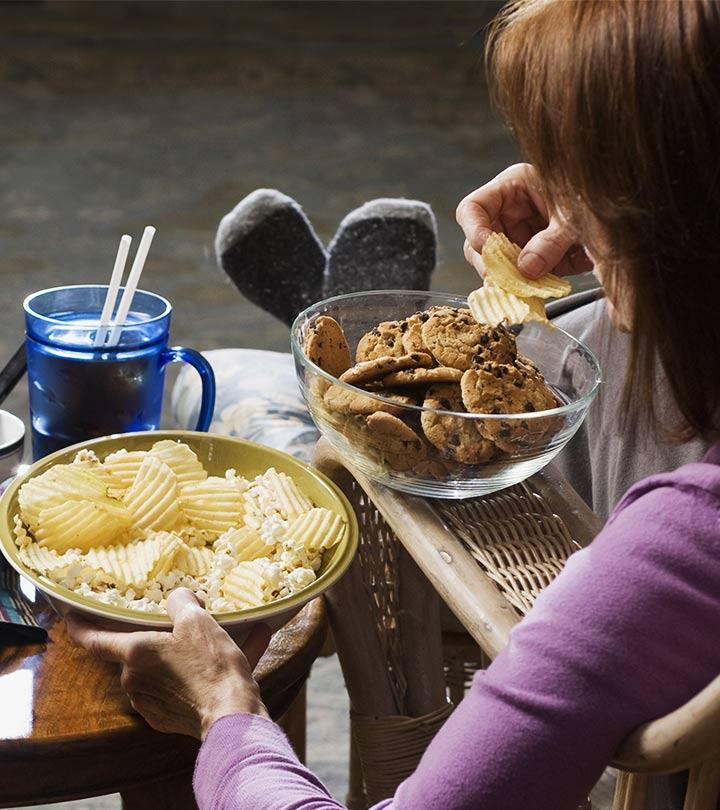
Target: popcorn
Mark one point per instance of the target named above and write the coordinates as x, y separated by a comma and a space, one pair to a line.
300, 578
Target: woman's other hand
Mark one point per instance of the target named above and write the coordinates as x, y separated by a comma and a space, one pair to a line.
512, 203
181, 682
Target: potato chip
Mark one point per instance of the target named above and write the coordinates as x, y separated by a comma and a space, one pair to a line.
213, 505
43, 559
286, 497
248, 544
134, 565
246, 585
153, 497
193, 560
88, 460
537, 310
59, 484
317, 529
115, 486
181, 460
124, 465
82, 524
492, 306
499, 256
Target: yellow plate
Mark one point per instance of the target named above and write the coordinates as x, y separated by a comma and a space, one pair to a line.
217, 454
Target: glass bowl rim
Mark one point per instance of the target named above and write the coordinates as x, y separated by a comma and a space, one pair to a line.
578, 405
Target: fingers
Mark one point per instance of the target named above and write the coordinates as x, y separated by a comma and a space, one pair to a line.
545, 251
474, 215
504, 203
474, 258
105, 644
576, 261
256, 644
183, 602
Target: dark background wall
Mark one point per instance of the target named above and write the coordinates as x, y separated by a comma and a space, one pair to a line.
114, 115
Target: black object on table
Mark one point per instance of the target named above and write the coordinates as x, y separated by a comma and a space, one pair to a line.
13, 372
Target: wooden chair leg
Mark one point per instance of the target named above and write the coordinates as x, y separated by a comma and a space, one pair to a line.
703, 786
170, 794
630, 791
355, 798
421, 640
294, 724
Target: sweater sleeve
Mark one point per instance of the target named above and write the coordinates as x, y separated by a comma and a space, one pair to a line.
629, 631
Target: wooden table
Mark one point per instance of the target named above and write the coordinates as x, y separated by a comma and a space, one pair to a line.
68, 732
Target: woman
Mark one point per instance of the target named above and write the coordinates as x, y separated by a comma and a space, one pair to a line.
616, 106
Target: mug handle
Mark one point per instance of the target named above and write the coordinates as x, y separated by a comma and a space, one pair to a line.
177, 354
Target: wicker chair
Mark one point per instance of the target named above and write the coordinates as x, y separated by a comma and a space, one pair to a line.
487, 557
687, 739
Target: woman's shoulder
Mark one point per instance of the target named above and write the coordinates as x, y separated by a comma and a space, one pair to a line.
698, 482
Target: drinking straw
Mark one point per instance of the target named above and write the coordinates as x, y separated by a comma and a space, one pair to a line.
112, 291
131, 286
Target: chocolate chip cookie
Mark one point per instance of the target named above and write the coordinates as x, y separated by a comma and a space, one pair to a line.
385, 340
508, 388
326, 346
456, 339
368, 371
418, 377
400, 447
343, 400
455, 437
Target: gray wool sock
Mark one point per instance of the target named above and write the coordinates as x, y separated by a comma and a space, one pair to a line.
385, 244
270, 251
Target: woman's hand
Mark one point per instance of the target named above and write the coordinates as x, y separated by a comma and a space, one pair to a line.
181, 682
512, 203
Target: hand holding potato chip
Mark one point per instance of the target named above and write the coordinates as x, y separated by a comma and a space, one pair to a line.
512, 203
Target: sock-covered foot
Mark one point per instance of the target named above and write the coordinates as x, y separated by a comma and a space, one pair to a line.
384, 244
271, 253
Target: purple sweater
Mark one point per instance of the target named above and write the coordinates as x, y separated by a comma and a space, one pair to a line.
629, 631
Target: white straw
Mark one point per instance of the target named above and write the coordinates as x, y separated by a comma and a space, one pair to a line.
113, 288
131, 286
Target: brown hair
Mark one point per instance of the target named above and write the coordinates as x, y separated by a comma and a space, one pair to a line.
617, 104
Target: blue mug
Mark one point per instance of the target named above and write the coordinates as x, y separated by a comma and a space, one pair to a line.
79, 392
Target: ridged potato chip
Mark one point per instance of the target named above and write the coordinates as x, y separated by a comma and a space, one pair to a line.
317, 529
213, 505
81, 524
42, 559
492, 306
194, 560
134, 565
92, 464
288, 499
59, 484
248, 544
153, 497
499, 256
124, 465
246, 585
181, 460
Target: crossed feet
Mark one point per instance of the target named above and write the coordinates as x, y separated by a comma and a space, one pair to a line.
270, 251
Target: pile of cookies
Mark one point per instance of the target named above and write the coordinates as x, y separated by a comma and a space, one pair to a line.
441, 359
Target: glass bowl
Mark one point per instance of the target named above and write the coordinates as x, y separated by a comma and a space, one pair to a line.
523, 442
